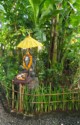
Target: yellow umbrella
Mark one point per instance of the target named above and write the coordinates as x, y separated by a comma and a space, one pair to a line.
29, 42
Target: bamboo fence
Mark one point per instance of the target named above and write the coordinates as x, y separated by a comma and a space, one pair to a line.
40, 100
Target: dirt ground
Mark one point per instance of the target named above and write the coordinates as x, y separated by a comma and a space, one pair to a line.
59, 118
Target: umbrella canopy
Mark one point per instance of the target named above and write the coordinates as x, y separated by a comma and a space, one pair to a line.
29, 42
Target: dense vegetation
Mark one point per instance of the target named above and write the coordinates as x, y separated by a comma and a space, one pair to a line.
55, 23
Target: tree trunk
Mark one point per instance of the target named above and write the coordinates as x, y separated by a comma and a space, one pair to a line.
53, 45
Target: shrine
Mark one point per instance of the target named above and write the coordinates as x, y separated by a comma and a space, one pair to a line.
27, 76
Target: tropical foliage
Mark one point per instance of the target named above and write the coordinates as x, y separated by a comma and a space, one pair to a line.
55, 23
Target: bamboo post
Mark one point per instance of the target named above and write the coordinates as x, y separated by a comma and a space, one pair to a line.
21, 91
73, 100
63, 100
50, 107
20, 100
78, 99
12, 95
22, 95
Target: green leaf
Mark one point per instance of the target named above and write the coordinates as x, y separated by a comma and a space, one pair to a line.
2, 8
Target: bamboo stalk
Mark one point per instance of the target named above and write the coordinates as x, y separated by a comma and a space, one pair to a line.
78, 99
56, 101
12, 96
73, 100
20, 97
63, 100
50, 107
51, 94
22, 94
